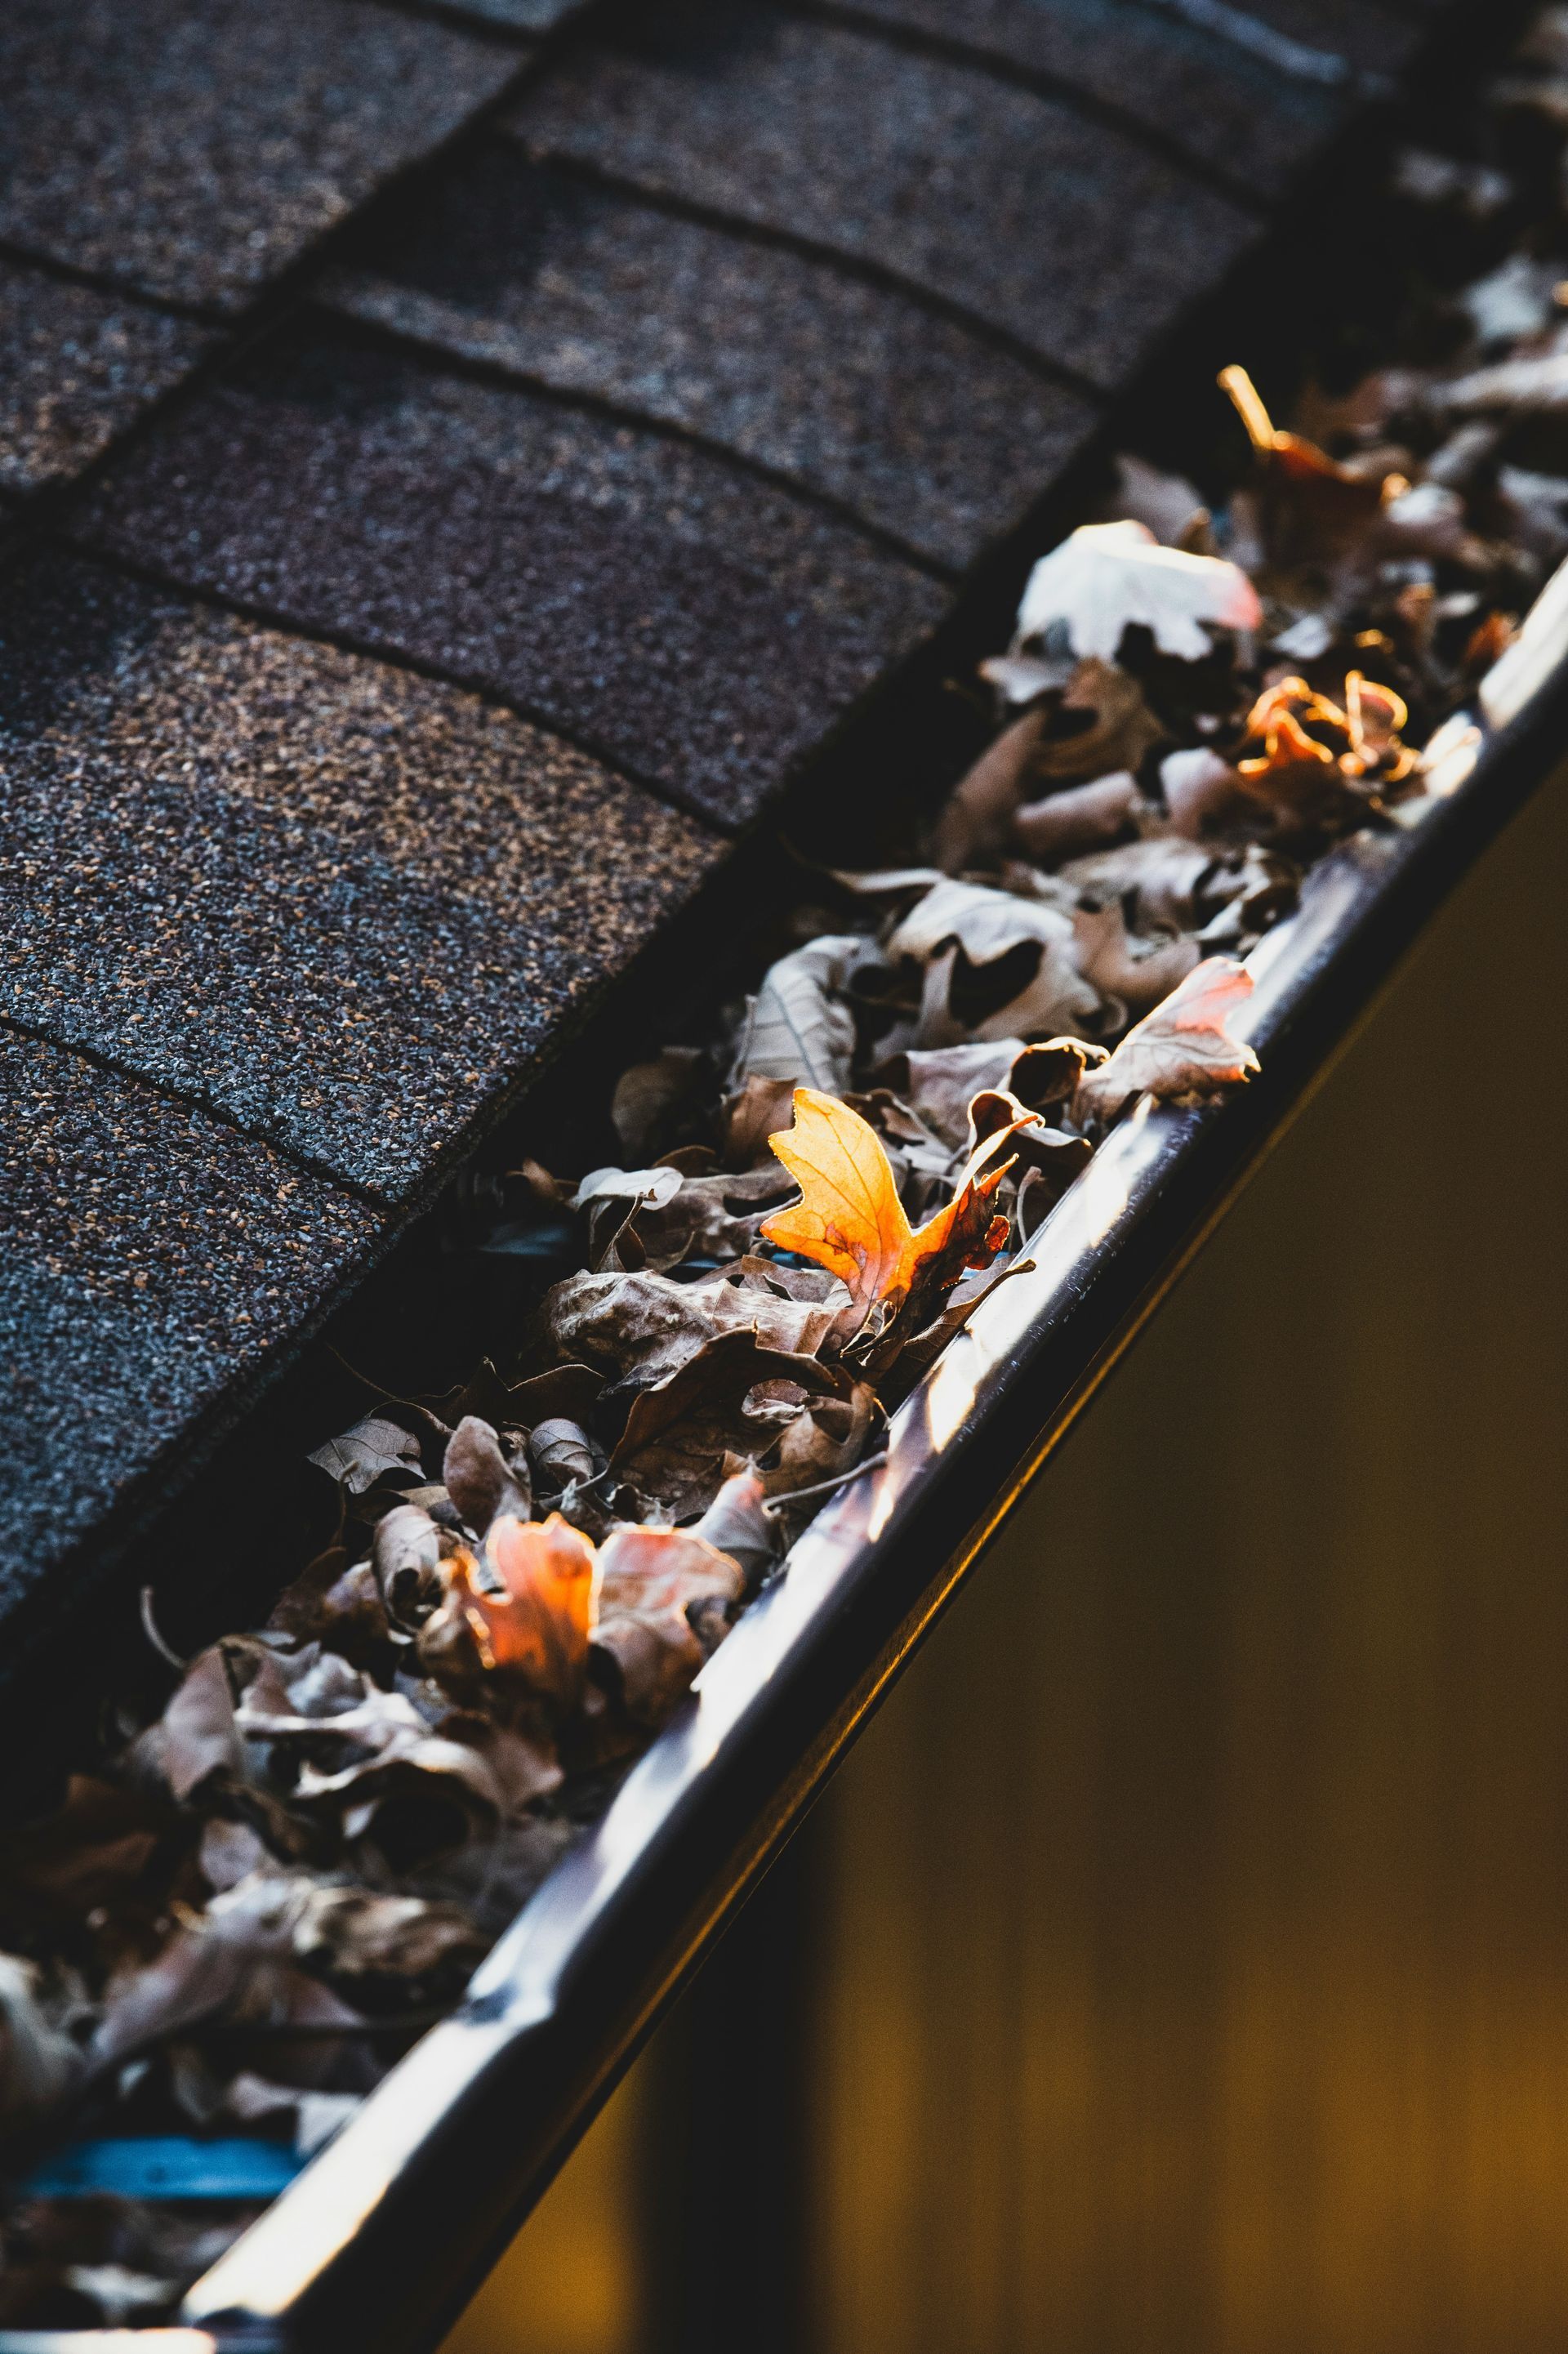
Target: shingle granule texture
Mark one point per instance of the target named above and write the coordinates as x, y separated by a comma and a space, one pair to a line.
192, 148
1083, 244
520, 16
858, 393
1230, 109
75, 369
691, 622
339, 901
150, 1257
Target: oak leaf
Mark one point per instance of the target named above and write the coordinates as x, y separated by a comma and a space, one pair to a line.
1183, 1048
850, 1219
1108, 577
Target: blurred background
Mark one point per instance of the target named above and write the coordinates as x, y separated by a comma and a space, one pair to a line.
1180, 1964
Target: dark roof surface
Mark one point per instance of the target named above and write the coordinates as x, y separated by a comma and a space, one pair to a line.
853, 390
192, 148
689, 620
150, 1257
77, 367
1232, 110
1066, 234
696, 349
336, 901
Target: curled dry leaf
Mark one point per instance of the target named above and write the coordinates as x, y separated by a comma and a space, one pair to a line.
977, 817
679, 1433
664, 1596
1138, 971
1183, 1048
1014, 956
799, 1027
1108, 578
1081, 818
1102, 723
483, 1479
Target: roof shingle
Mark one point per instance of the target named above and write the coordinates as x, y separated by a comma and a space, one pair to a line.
340, 903
194, 148
697, 625
852, 389
150, 1257
76, 368
1081, 243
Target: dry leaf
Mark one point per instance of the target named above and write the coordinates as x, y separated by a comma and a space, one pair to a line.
997, 966
539, 1628
977, 817
1081, 818
376, 1448
1138, 971
1110, 576
851, 1220
482, 1480
679, 1433
1183, 1048
654, 1583
1121, 732
798, 1026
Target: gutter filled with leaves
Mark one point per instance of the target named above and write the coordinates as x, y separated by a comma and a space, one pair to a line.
247, 1907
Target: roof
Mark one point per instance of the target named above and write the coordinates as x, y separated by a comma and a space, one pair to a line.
455, 479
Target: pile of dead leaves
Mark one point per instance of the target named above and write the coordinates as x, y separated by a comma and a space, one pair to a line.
245, 1910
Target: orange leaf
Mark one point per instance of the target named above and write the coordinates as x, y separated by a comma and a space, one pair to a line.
541, 1625
849, 1217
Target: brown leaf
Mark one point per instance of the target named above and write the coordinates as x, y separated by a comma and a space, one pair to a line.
1140, 972
1183, 1048
1121, 729
1021, 953
799, 1026
678, 1433
1080, 817
640, 1328
649, 1096
652, 1581
561, 1451
977, 817
751, 1117
826, 1439
482, 1480
198, 1736
377, 1449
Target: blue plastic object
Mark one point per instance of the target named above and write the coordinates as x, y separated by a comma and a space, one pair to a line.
171, 2165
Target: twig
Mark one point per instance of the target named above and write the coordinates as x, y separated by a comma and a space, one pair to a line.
150, 1629
823, 1487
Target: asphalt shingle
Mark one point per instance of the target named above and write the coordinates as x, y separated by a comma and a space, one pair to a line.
520, 16
855, 390
76, 368
194, 148
338, 902
150, 1257
1258, 116
1083, 244
695, 624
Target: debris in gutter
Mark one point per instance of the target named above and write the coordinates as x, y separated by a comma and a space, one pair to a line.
242, 1912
